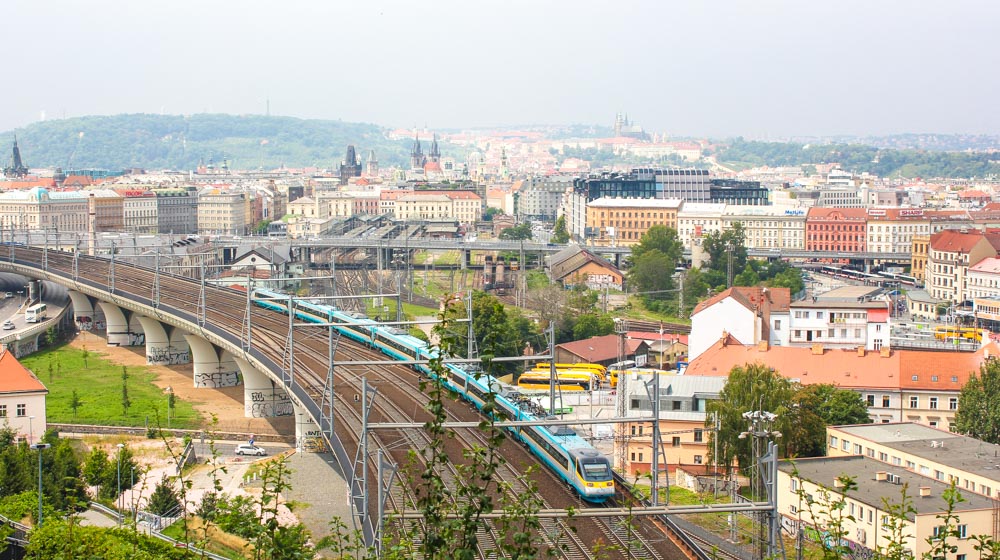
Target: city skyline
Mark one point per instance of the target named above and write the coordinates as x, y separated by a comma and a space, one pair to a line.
773, 69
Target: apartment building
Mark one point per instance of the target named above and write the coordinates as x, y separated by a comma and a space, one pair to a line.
866, 516
177, 210
836, 229
139, 208
951, 254
983, 279
768, 227
37, 208
623, 221
930, 452
683, 402
838, 324
697, 219
223, 212
749, 315
463, 206
892, 230
540, 197
108, 208
899, 385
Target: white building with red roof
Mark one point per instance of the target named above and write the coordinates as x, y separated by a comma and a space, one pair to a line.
22, 398
749, 315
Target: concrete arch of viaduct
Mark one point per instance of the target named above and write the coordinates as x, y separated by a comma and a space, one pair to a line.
172, 337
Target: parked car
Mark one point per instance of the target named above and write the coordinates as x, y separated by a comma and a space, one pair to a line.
8, 295
8, 325
247, 449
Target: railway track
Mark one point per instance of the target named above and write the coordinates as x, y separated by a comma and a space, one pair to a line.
226, 309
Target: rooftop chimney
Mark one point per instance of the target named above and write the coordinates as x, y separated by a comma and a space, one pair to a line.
884, 352
861, 351
925, 491
817, 349
762, 346
881, 476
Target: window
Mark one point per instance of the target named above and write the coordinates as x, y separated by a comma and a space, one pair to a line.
885, 401
675, 405
933, 402
871, 400
819, 314
857, 449
845, 445
883, 456
963, 531
953, 403
698, 436
914, 402
675, 441
795, 485
697, 459
834, 441
915, 378
22, 410
3, 411
777, 325
633, 455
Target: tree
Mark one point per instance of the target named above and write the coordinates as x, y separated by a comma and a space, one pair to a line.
662, 239
126, 402
75, 403
164, 500
978, 415
518, 232
592, 324
490, 212
749, 387
85, 354
748, 277
719, 244
652, 271
559, 232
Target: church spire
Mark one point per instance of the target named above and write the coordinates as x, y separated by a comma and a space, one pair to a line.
17, 167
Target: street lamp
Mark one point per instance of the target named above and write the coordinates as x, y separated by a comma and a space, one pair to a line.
120, 507
40, 447
170, 402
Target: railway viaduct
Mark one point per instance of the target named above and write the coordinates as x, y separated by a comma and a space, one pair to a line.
180, 320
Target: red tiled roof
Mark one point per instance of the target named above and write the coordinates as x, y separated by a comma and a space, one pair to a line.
599, 348
952, 241
775, 299
15, 378
848, 369
655, 336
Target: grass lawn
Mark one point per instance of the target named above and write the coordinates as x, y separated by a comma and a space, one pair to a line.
98, 383
410, 310
219, 542
636, 310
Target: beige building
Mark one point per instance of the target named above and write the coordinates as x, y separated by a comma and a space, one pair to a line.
683, 402
38, 208
108, 207
22, 399
867, 519
463, 206
768, 227
920, 247
952, 252
140, 210
934, 453
623, 221
223, 212
697, 219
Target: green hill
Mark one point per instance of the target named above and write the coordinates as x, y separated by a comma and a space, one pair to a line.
180, 142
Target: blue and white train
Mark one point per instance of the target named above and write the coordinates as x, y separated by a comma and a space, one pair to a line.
560, 448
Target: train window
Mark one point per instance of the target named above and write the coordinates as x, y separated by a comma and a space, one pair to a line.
595, 469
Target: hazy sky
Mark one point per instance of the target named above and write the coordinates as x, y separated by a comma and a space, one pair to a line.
692, 67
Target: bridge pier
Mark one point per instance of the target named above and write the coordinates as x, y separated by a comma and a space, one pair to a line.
84, 314
124, 328
308, 436
213, 367
465, 255
22, 347
262, 397
165, 345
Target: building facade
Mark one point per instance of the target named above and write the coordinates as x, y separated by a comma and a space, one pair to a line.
623, 221
177, 210
836, 229
223, 212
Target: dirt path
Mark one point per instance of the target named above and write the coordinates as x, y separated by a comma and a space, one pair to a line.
226, 404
